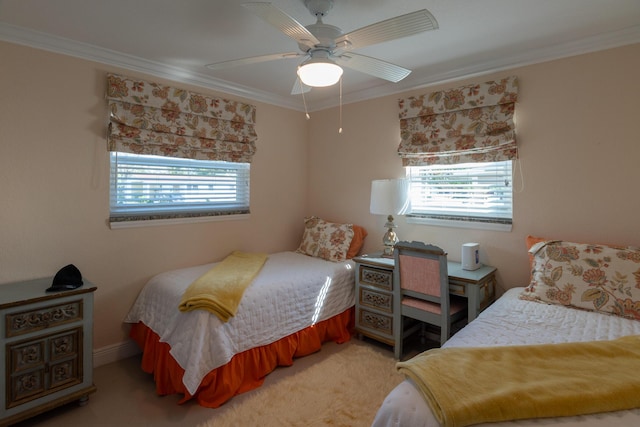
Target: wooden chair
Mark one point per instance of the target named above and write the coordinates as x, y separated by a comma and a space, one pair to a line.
421, 291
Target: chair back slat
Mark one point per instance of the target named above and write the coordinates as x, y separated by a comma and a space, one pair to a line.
420, 274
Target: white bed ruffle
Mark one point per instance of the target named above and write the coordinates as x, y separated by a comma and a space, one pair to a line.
292, 292
512, 321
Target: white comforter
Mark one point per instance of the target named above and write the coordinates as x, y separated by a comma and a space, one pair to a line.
292, 291
511, 321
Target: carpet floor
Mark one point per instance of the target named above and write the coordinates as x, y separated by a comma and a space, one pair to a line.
126, 395
344, 389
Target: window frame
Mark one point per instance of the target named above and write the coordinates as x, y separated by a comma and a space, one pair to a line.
155, 212
491, 220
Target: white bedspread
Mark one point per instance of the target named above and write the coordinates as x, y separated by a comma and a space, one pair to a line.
511, 321
292, 291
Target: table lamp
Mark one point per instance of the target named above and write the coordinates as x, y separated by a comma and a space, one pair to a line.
389, 197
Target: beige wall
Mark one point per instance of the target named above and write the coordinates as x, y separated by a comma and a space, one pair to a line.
54, 182
54, 175
579, 148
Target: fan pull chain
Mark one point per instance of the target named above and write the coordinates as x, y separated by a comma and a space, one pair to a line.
340, 121
304, 101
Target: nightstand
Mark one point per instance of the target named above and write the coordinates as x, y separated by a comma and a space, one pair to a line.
374, 297
374, 293
46, 347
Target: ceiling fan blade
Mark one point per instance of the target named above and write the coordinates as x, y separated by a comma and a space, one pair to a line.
252, 60
390, 29
372, 66
283, 22
299, 87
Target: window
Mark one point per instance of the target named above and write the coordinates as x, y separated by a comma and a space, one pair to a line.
145, 187
467, 193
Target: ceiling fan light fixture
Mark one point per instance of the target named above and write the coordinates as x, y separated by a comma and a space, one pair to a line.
319, 72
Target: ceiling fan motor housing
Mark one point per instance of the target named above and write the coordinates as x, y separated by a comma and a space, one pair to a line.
326, 34
319, 8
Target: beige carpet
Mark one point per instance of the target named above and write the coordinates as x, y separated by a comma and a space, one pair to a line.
345, 389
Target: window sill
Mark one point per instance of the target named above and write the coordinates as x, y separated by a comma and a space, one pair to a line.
477, 225
114, 225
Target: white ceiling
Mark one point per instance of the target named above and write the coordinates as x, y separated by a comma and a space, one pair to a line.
175, 39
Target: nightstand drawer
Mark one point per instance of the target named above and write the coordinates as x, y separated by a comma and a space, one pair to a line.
457, 288
377, 322
379, 300
376, 277
43, 318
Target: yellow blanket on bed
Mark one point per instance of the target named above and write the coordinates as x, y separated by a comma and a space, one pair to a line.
465, 386
220, 289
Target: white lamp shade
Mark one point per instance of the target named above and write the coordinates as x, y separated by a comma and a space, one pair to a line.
389, 197
319, 73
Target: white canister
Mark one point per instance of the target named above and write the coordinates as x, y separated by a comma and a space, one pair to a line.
470, 256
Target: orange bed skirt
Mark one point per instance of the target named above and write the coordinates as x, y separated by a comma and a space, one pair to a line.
246, 371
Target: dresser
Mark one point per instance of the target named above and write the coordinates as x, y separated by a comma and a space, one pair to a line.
374, 293
47, 347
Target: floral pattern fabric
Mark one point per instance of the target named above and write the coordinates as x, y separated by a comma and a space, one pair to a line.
149, 118
599, 278
472, 123
326, 240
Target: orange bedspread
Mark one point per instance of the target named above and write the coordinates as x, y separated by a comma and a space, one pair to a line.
247, 370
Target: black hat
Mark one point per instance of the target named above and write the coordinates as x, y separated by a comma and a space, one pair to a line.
66, 278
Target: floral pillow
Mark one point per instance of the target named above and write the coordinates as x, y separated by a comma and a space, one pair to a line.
598, 278
326, 240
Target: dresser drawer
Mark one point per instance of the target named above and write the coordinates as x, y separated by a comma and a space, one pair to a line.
377, 277
379, 300
42, 318
42, 366
376, 322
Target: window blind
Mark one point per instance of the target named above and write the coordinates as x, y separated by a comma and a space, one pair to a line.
147, 187
469, 191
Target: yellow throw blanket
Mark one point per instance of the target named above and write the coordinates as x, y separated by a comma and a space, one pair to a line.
465, 386
220, 289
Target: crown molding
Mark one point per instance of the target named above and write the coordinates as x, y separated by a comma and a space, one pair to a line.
39, 40
627, 36
44, 41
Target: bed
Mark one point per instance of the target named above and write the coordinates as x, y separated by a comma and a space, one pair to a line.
564, 303
298, 300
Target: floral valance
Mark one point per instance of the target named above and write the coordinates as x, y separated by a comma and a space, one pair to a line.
472, 123
150, 118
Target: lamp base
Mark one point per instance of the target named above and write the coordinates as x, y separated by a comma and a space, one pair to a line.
388, 252
389, 239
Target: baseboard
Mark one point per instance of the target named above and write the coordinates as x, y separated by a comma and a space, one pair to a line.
115, 352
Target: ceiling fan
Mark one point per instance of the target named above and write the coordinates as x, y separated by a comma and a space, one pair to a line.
325, 48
